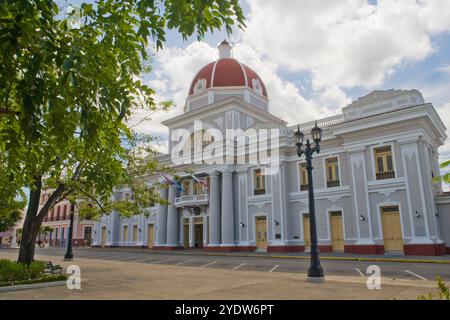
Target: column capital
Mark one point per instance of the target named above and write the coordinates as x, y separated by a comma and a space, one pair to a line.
214, 173
227, 171
241, 169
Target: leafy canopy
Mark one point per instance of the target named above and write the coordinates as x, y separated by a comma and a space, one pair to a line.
68, 87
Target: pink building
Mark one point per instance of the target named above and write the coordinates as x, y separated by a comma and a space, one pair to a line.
58, 218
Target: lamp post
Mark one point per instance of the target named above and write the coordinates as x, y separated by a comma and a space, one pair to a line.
69, 254
315, 271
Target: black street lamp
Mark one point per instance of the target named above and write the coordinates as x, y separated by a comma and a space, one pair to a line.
69, 254
315, 271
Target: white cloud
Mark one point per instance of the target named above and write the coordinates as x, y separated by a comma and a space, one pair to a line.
444, 69
345, 43
177, 67
286, 99
174, 70
339, 43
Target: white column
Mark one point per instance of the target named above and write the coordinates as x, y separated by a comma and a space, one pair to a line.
227, 209
191, 232
161, 220
172, 219
214, 210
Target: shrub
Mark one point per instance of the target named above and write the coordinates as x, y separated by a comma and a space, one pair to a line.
443, 291
39, 280
15, 271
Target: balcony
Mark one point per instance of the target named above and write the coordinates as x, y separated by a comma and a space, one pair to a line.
258, 192
303, 187
333, 183
192, 200
390, 174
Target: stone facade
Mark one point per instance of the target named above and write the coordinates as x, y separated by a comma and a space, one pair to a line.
377, 162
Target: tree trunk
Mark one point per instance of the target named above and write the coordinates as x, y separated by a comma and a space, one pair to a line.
30, 226
33, 220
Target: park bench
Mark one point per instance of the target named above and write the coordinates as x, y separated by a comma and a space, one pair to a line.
52, 268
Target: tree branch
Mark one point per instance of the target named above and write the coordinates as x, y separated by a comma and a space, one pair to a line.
51, 200
95, 199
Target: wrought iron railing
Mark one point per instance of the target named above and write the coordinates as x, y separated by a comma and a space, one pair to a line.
333, 183
390, 174
259, 191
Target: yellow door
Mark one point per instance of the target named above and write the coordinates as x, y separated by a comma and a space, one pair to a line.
392, 230
337, 231
306, 232
103, 236
261, 233
135, 233
150, 235
125, 234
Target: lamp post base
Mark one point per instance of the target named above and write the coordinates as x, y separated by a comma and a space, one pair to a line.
315, 279
68, 257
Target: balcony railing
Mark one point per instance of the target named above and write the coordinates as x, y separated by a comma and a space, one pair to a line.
192, 200
257, 192
390, 174
333, 183
303, 187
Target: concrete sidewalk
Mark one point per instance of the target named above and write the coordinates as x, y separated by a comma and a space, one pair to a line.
288, 255
103, 279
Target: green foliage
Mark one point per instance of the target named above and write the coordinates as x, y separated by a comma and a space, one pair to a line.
67, 92
446, 177
49, 278
16, 271
442, 294
45, 230
10, 214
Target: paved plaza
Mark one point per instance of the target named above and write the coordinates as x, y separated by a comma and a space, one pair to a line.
110, 274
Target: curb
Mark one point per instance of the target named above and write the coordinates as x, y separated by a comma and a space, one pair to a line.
33, 286
286, 257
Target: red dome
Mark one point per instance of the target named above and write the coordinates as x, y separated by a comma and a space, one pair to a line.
228, 72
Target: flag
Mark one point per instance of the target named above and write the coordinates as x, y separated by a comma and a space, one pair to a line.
173, 182
203, 182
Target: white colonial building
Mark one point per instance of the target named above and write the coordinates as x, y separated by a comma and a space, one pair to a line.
373, 179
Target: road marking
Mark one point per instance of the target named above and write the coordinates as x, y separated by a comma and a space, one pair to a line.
241, 265
360, 273
109, 257
164, 260
417, 275
208, 264
271, 270
180, 263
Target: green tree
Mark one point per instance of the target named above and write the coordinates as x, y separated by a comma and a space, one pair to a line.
10, 215
446, 176
68, 87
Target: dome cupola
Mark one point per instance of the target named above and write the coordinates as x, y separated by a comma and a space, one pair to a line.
224, 78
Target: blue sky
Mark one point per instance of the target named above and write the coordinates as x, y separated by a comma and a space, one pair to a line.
317, 56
